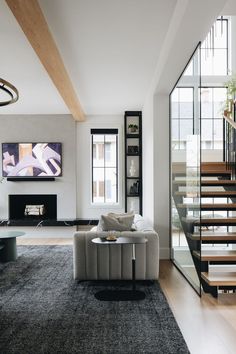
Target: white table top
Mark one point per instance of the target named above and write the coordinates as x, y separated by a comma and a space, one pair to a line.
120, 240
11, 234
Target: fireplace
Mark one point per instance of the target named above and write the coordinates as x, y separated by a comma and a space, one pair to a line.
32, 206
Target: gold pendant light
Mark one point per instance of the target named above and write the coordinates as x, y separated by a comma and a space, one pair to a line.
10, 90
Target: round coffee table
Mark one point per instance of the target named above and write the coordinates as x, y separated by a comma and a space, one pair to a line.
8, 250
122, 295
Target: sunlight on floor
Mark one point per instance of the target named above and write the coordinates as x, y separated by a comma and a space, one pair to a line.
44, 241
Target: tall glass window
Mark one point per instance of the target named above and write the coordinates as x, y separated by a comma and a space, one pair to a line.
214, 50
104, 165
212, 99
182, 116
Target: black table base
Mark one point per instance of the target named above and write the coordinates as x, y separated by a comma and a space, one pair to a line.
120, 295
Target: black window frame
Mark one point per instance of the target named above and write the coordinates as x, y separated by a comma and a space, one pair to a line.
105, 131
212, 46
213, 118
179, 119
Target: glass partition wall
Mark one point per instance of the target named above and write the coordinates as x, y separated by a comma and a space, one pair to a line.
185, 171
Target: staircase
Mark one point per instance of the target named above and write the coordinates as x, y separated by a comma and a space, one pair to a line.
216, 182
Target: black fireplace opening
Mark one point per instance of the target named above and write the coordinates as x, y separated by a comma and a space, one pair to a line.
32, 206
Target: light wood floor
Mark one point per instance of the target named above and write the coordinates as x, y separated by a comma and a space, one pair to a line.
44, 241
207, 324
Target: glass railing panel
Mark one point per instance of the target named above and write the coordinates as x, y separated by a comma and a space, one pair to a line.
185, 171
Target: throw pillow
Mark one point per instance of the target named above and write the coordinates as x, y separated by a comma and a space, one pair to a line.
130, 213
114, 215
123, 223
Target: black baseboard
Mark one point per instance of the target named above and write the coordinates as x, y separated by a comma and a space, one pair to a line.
48, 222
30, 179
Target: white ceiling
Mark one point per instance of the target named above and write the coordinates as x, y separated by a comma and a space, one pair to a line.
230, 8
110, 49
20, 65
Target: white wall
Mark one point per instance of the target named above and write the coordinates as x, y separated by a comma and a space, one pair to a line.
161, 172
74, 187
43, 128
85, 209
148, 156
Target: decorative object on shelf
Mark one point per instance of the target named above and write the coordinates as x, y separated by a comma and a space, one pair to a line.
134, 189
133, 149
10, 90
133, 128
137, 187
132, 169
131, 191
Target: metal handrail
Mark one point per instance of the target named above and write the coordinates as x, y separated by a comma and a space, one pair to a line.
230, 121
229, 141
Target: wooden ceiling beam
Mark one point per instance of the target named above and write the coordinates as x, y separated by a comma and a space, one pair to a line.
33, 23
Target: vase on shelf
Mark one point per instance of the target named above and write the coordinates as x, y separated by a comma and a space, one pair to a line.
133, 128
132, 169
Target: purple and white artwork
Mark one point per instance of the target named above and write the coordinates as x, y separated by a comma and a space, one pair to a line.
31, 159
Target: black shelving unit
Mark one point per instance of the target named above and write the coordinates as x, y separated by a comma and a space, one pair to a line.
133, 151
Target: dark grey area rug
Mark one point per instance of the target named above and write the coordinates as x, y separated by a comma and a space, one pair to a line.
42, 310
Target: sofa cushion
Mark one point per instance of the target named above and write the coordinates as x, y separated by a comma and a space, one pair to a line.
116, 215
141, 224
129, 213
121, 223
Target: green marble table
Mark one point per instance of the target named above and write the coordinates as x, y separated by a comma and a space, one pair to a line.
8, 250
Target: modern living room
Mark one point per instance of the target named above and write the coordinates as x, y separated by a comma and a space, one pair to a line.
94, 256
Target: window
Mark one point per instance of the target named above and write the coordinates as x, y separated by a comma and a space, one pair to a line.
104, 165
182, 116
211, 113
215, 49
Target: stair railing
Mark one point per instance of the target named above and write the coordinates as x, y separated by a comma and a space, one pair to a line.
229, 140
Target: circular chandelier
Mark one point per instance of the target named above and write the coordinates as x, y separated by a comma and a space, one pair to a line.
10, 90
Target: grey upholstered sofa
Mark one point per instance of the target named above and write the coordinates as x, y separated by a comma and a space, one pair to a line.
96, 262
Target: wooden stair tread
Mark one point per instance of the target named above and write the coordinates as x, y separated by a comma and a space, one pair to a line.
213, 165
219, 278
218, 194
218, 206
216, 255
183, 193
216, 221
183, 182
207, 183
214, 236
222, 182
209, 194
215, 173
206, 173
